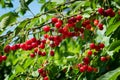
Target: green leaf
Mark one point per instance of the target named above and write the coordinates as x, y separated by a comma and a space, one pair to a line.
19, 69
111, 75
27, 63
114, 45
42, 1
21, 26
112, 28
7, 19
23, 5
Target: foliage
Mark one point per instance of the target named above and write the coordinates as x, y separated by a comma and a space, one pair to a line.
71, 40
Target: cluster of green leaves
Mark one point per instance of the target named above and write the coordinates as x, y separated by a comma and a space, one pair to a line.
20, 66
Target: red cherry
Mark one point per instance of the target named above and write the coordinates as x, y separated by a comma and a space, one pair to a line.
7, 49
89, 52
46, 78
81, 30
82, 69
14, 47
52, 53
58, 25
43, 54
100, 26
39, 52
29, 47
85, 23
1, 59
33, 39
46, 28
28, 42
103, 59
42, 46
97, 48
32, 55
46, 36
78, 17
88, 26
86, 60
4, 58
72, 20
89, 69
34, 44
43, 41
96, 22
54, 20
109, 11
36, 50
40, 70
92, 46
80, 65
112, 14
101, 45
101, 11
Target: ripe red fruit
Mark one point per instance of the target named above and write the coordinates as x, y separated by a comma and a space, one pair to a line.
81, 30
92, 45
97, 48
46, 28
33, 39
34, 44
85, 23
101, 45
89, 52
103, 59
109, 11
43, 53
89, 69
14, 47
23, 46
101, 11
46, 78
54, 20
52, 53
100, 26
78, 17
58, 24
72, 20
96, 22
1, 59
40, 70
32, 55
112, 14
4, 58
88, 26
7, 49
42, 46
28, 42
39, 52
82, 69
86, 60
80, 65
35, 50
46, 35
85, 67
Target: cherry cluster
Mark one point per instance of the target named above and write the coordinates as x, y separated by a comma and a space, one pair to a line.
85, 65
43, 73
57, 32
108, 12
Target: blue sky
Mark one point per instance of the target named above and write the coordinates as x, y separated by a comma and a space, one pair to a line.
34, 6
